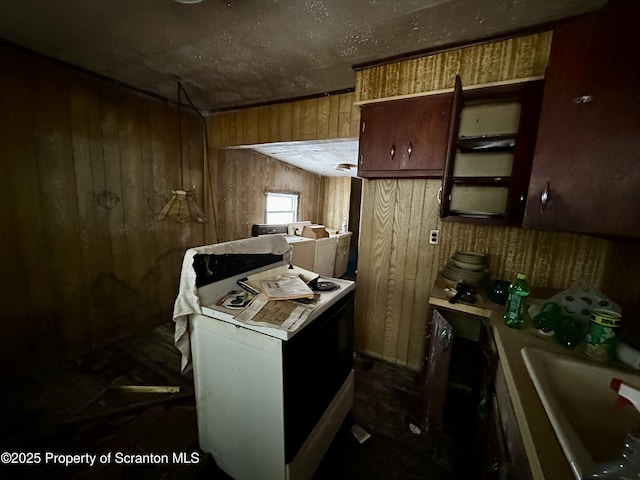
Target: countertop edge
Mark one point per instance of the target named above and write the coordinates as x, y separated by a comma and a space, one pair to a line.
544, 453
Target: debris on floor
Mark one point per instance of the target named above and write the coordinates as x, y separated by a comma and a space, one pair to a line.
360, 433
73, 409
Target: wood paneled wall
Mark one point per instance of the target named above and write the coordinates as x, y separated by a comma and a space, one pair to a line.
557, 260
330, 117
319, 118
550, 259
334, 201
244, 176
85, 168
621, 281
396, 266
510, 59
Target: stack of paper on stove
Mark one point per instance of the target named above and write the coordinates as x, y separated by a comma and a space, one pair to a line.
286, 288
285, 282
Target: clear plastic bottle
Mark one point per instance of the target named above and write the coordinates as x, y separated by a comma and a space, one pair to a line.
518, 293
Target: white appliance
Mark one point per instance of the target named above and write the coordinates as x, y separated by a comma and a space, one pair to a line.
303, 252
317, 255
325, 256
258, 414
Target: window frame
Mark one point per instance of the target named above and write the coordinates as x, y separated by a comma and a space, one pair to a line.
281, 193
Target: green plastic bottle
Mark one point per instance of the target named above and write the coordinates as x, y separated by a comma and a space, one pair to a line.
518, 293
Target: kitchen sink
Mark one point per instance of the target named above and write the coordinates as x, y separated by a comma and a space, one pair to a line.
580, 404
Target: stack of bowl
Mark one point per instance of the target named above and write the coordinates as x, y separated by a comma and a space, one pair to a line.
471, 268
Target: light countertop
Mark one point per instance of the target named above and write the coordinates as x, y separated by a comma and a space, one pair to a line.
543, 450
210, 294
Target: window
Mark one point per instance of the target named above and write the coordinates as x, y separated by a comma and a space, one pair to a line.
282, 207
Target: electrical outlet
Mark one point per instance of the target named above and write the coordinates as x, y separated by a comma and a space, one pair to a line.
434, 237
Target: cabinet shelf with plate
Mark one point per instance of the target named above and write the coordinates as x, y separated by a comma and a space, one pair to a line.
489, 158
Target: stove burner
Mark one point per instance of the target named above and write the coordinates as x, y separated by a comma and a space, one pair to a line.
325, 286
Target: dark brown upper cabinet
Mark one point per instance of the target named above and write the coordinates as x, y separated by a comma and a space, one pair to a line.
493, 131
586, 170
405, 138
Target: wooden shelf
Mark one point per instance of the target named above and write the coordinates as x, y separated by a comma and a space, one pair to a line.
482, 181
487, 143
486, 127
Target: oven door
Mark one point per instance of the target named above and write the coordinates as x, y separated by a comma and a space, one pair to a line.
317, 361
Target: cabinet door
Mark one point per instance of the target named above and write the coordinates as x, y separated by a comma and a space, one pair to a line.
486, 181
585, 175
342, 255
495, 457
454, 124
518, 464
438, 358
405, 138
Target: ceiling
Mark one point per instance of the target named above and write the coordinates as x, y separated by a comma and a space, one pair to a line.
234, 53
329, 158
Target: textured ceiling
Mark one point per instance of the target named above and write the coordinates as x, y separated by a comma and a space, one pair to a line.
244, 52
329, 158
236, 53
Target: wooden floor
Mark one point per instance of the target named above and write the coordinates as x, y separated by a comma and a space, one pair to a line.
74, 408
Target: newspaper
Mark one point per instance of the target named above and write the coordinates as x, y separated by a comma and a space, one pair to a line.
286, 288
269, 301
282, 314
253, 283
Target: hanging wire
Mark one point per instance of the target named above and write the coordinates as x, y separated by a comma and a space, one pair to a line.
180, 133
205, 134
182, 207
190, 102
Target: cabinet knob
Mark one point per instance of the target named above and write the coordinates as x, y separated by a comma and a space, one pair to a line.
410, 149
393, 151
582, 99
545, 197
